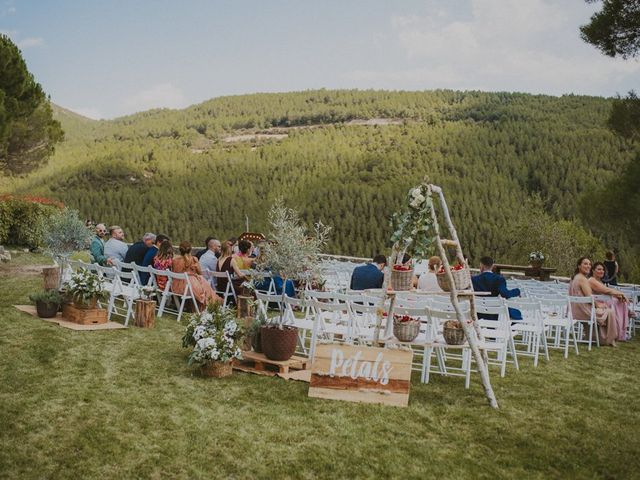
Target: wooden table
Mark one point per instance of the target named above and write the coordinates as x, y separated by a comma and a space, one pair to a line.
541, 273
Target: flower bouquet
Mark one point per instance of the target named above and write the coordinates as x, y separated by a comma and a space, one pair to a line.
215, 338
85, 289
405, 328
536, 259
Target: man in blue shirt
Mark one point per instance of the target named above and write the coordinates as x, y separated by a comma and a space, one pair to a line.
369, 275
487, 281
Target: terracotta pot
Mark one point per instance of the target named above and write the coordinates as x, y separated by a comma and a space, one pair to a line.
217, 369
537, 264
279, 344
46, 309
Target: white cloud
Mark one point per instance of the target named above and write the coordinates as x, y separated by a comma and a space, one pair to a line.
163, 95
513, 45
30, 42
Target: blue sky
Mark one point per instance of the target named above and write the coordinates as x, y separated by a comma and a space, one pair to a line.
110, 58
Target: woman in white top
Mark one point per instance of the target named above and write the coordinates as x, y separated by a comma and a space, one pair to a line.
428, 281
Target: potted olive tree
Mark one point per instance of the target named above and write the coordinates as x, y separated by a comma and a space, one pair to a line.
64, 234
293, 254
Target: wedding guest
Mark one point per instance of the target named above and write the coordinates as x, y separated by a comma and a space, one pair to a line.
487, 281
243, 258
226, 264
147, 261
138, 250
612, 268
209, 260
618, 301
115, 248
428, 280
185, 262
605, 315
96, 249
202, 251
369, 275
163, 260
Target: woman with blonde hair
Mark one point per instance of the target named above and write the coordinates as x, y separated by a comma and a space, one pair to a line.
428, 280
187, 263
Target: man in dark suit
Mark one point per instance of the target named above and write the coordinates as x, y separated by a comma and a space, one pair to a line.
487, 281
369, 275
138, 250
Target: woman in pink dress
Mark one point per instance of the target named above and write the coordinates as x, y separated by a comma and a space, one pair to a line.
163, 261
618, 301
202, 290
605, 315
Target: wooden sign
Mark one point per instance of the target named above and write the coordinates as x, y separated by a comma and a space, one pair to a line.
361, 374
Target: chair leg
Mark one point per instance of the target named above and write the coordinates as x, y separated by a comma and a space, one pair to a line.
426, 364
566, 342
184, 299
466, 358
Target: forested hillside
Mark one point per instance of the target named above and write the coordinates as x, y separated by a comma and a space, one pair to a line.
509, 163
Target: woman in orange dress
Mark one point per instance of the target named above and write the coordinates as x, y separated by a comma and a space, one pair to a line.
202, 290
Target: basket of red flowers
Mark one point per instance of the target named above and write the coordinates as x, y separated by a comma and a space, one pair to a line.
401, 277
405, 328
461, 277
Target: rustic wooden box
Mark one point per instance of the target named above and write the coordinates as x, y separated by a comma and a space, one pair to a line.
82, 316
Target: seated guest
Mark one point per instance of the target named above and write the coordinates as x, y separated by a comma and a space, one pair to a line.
185, 262
428, 281
612, 269
202, 251
147, 261
243, 258
226, 263
115, 248
369, 275
618, 301
163, 261
96, 249
138, 250
605, 315
487, 281
209, 260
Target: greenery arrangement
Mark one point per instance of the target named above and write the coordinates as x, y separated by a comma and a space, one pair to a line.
291, 252
214, 335
50, 296
412, 227
84, 286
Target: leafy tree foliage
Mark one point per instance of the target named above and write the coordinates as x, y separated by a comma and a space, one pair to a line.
28, 132
615, 30
176, 172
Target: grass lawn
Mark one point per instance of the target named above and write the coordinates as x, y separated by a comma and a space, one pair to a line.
124, 404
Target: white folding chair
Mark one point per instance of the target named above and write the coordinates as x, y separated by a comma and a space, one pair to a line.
556, 318
331, 322
531, 328
589, 323
498, 336
304, 324
228, 292
126, 289
179, 298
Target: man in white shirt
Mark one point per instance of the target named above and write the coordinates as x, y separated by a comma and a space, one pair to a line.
209, 260
115, 248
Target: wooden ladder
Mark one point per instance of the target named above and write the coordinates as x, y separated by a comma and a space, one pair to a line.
472, 331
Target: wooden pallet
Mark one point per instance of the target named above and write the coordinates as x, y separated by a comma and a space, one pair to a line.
258, 363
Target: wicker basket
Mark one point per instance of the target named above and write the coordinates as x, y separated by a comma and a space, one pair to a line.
406, 331
401, 280
462, 279
217, 369
453, 333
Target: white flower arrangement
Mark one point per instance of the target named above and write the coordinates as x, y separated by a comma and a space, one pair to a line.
214, 336
147, 292
536, 256
85, 285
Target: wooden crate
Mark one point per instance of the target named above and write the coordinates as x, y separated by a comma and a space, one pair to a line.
253, 362
82, 316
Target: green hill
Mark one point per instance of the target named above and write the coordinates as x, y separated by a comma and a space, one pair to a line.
504, 159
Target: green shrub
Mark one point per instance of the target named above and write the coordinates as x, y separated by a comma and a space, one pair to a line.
46, 296
22, 221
